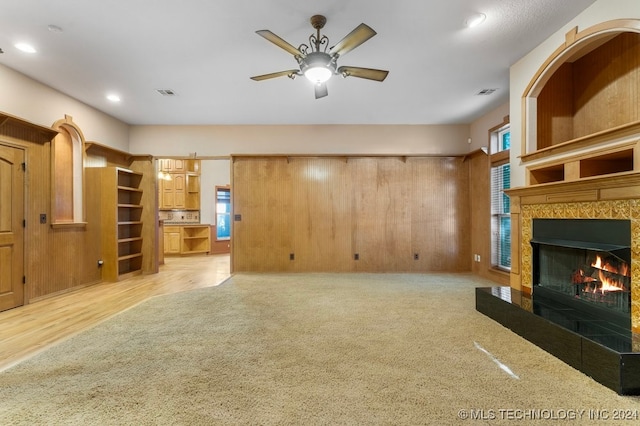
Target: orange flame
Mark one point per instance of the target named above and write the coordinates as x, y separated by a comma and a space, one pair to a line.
609, 283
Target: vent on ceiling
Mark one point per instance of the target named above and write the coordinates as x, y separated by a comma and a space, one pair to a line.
485, 92
166, 92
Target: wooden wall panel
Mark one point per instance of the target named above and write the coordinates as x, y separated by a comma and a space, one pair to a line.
441, 231
381, 214
555, 108
56, 259
63, 258
150, 232
480, 221
63, 176
262, 239
321, 212
480, 208
606, 85
326, 209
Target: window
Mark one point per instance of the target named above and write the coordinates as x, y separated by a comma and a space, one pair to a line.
500, 204
223, 213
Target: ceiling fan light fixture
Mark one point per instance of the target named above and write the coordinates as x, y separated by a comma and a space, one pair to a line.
318, 74
318, 67
317, 61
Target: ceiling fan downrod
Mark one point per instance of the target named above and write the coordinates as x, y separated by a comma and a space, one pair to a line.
318, 22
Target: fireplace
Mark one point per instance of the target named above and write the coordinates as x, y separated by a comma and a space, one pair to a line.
584, 264
559, 297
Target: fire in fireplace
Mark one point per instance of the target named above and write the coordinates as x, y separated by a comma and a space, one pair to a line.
605, 281
584, 263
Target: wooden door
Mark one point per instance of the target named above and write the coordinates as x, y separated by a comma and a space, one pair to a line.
179, 190
11, 227
167, 194
172, 239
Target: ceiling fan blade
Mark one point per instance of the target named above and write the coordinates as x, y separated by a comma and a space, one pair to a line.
288, 73
368, 73
355, 38
321, 90
279, 42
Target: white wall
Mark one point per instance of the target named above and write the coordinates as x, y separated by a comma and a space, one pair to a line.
212, 173
34, 102
299, 139
523, 71
480, 128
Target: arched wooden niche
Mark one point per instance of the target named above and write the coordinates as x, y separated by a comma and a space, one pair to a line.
67, 174
586, 92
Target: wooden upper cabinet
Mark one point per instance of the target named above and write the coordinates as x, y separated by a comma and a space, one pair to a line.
179, 165
180, 186
171, 165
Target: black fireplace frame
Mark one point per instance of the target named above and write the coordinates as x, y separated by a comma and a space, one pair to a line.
604, 235
599, 347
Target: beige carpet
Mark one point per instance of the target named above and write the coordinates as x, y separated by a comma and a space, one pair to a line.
304, 349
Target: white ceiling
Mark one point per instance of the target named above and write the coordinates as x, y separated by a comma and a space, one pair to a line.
206, 50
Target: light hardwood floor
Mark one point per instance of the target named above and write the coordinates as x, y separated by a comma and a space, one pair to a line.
29, 329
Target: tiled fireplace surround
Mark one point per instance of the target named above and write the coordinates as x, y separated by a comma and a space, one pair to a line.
567, 201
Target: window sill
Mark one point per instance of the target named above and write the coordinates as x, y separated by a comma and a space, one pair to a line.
499, 271
65, 225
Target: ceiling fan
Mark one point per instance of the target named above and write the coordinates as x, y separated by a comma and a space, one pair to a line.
317, 62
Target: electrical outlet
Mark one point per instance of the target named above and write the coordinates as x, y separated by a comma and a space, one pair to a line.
356, 256
43, 218
416, 256
292, 256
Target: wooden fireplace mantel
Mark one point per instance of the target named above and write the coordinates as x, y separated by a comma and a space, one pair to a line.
600, 188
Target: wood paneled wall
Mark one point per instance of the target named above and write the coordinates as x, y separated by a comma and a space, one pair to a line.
59, 259
555, 108
325, 210
56, 259
606, 86
480, 208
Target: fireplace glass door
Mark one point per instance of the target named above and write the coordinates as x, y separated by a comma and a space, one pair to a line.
585, 263
591, 276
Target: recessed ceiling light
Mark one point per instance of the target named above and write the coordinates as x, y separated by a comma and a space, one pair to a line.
475, 20
113, 97
25, 47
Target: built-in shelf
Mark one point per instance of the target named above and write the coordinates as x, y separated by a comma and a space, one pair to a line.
121, 221
187, 239
554, 173
196, 239
584, 142
603, 162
